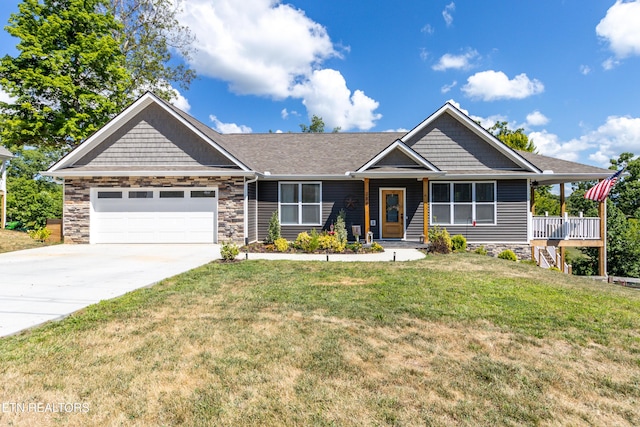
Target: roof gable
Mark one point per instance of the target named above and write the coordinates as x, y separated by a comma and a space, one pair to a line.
4, 153
149, 133
398, 156
451, 140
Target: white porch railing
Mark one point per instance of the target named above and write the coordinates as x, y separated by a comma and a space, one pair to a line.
565, 228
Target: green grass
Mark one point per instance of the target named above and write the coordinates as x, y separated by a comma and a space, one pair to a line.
450, 340
11, 240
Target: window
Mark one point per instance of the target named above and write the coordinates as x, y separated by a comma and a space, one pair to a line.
141, 194
203, 193
109, 194
172, 194
463, 203
300, 203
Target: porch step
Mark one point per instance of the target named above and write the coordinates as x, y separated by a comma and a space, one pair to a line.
547, 257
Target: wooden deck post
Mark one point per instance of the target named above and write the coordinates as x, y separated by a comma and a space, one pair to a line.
367, 216
533, 212
425, 209
563, 210
602, 251
3, 201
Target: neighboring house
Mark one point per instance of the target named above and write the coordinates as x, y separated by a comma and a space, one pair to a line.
156, 174
5, 155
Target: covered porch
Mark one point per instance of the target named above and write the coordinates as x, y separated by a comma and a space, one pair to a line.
549, 236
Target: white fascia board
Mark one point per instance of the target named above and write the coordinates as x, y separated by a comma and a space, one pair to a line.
475, 128
122, 118
298, 177
398, 144
71, 173
397, 175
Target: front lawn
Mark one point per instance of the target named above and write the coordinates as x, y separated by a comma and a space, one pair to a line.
11, 240
450, 340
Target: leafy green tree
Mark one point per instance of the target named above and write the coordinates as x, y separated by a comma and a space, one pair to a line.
626, 193
68, 77
150, 36
31, 197
316, 126
516, 139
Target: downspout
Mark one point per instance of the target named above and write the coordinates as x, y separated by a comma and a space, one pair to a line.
246, 207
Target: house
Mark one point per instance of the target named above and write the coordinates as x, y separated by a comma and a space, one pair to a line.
156, 174
5, 155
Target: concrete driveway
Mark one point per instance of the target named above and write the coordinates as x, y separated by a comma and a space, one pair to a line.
43, 284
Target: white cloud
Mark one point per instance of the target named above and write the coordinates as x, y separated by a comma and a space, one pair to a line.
427, 29
493, 85
447, 88
396, 130
585, 69
621, 30
615, 136
5, 97
326, 95
228, 127
424, 54
264, 48
181, 102
610, 63
284, 113
447, 13
536, 118
459, 62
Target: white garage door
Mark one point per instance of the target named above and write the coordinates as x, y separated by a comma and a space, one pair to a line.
153, 215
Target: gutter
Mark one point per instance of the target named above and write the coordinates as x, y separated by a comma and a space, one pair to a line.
71, 173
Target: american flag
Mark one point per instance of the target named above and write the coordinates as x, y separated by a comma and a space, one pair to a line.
600, 191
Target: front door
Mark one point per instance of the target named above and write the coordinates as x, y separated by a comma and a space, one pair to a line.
392, 214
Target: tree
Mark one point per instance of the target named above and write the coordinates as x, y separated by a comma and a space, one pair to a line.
68, 78
316, 126
515, 139
31, 197
626, 194
149, 34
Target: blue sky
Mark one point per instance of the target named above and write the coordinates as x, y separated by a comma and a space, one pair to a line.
566, 71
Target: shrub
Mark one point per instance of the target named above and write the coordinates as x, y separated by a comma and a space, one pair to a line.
341, 227
481, 250
39, 234
508, 254
274, 228
376, 247
459, 243
229, 251
330, 242
308, 242
354, 247
440, 241
281, 244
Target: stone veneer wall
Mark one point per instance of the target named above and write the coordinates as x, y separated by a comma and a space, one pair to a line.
77, 204
522, 251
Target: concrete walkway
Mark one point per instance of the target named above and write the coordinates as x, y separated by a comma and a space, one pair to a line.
49, 283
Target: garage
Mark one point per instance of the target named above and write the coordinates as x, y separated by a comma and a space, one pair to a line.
153, 215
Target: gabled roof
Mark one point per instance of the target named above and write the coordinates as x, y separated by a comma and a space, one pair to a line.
313, 155
208, 136
4, 153
474, 127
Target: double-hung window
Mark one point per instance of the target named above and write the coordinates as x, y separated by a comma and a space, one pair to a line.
463, 203
300, 203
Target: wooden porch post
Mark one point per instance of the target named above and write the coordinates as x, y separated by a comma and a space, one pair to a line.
2, 209
425, 209
602, 250
367, 216
533, 212
563, 210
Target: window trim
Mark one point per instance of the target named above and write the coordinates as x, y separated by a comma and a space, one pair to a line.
299, 203
474, 203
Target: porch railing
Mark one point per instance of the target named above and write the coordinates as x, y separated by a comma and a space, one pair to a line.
565, 228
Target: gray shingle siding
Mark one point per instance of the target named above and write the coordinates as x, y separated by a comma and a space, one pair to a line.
450, 145
153, 138
334, 194
252, 211
511, 219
